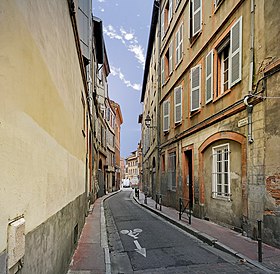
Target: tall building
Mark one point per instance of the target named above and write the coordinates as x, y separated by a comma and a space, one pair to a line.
219, 140
118, 122
57, 142
44, 135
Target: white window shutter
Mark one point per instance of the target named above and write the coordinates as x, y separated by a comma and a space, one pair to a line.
195, 87
178, 104
170, 10
162, 71
209, 77
177, 47
197, 16
162, 24
170, 57
235, 52
166, 116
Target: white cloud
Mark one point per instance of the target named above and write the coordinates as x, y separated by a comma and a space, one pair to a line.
117, 72
138, 53
127, 37
111, 33
101, 1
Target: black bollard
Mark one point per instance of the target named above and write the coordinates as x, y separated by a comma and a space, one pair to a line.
260, 240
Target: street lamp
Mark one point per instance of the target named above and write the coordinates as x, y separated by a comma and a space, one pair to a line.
148, 121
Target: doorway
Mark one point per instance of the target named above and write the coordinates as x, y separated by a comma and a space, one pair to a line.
188, 176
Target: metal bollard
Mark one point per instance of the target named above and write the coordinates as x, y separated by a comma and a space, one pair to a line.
180, 208
260, 240
145, 200
160, 202
156, 201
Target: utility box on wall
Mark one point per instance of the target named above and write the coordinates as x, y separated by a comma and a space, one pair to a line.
16, 242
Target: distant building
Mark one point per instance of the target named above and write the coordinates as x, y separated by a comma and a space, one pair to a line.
132, 168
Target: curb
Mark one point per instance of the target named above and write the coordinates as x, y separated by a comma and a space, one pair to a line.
104, 238
206, 238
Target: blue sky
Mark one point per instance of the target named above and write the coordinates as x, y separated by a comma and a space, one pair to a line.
126, 26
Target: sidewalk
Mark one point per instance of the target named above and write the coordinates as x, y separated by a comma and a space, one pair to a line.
220, 237
92, 253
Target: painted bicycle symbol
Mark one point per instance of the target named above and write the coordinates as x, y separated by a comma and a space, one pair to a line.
132, 233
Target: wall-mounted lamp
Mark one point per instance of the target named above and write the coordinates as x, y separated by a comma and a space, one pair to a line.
148, 121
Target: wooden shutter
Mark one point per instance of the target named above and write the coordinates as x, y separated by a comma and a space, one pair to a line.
235, 52
171, 57
162, 25
178, 104
166, 118
162, 71
170, 10
195, 87
196, 15
209, 77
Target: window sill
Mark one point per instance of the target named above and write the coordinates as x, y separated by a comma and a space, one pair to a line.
194, 39
222, 198
221, 96
178, 124
180, 61
218, 6
195, 112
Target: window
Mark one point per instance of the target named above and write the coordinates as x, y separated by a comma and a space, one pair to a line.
209, 77
178, 104
179, 44
166, 115
229, 66
166, 16
172, 170
195, 18
221, 171
195, 87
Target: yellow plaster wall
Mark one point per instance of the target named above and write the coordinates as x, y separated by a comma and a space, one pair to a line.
42, 149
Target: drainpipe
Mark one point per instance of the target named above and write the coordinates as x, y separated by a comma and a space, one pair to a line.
251, 72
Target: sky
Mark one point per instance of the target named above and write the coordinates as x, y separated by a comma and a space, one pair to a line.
126, 27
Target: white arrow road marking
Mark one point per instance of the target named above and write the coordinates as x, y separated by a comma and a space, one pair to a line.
140, 249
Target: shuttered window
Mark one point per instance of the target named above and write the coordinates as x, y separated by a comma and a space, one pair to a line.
209, 77
235, 52
178, 104
196, 16
179, 44
195, 87
166, 115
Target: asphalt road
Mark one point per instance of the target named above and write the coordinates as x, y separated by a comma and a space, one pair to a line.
141, 242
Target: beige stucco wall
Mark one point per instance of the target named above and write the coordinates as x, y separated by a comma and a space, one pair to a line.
42, 149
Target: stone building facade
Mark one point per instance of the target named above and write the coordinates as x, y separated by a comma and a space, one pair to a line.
219, 74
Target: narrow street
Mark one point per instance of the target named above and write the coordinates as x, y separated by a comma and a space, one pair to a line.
141, 242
